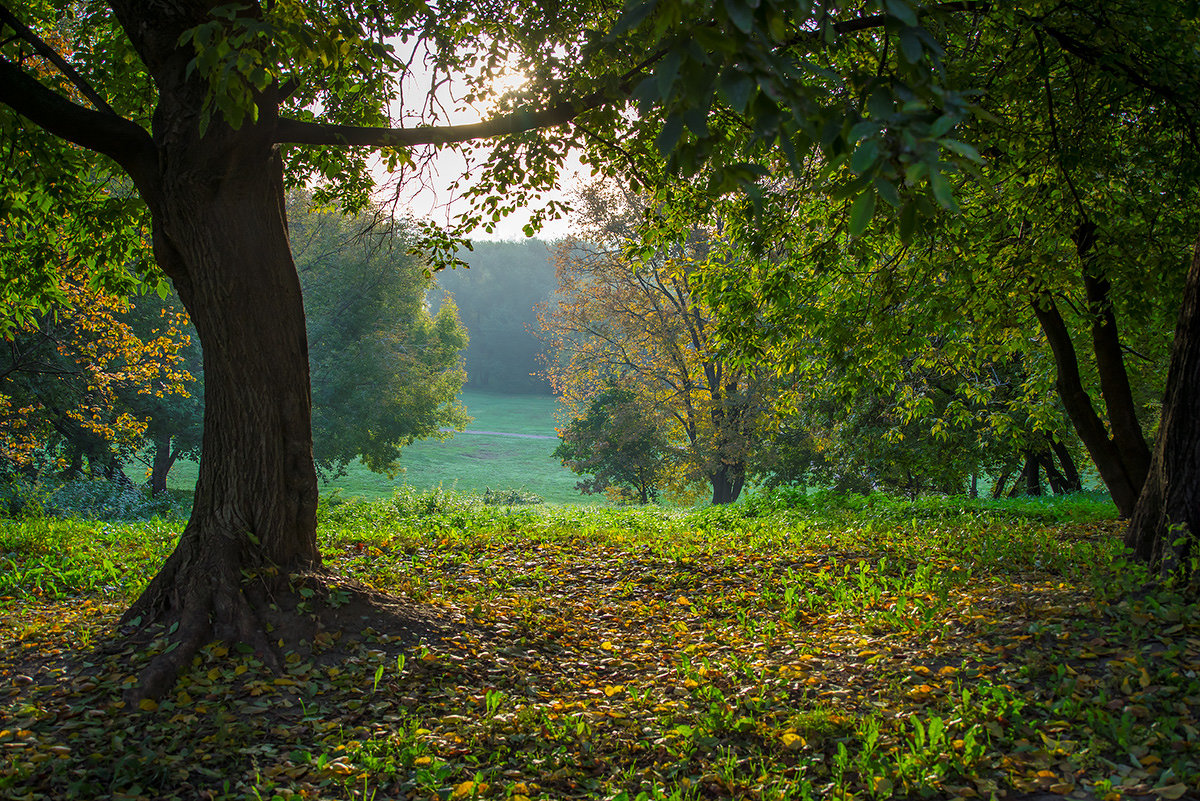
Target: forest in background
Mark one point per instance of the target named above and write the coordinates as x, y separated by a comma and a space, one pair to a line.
496, 298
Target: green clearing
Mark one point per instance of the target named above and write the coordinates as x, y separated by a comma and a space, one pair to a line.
865, 650
467, 462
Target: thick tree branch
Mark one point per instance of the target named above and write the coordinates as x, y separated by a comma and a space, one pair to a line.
298, 132
113, 136
47, 52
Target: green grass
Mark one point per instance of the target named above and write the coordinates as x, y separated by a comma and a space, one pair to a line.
467, 462
844, 650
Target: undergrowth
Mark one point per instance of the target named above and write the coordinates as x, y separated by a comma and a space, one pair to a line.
837, 651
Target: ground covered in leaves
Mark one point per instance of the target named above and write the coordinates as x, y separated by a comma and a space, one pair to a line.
942, 650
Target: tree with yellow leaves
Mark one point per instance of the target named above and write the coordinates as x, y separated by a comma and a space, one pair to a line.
633, 320
64, 376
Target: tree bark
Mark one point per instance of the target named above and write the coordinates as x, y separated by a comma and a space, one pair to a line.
1110, 361
1033, 477
1070, 472
221, 236
161, 465
998, 488
1058, 484
727, 483
1166, 522
1103, 450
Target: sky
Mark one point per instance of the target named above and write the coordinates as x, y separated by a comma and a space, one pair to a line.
433, 199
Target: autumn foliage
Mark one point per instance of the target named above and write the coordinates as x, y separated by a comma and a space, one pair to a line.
64, 374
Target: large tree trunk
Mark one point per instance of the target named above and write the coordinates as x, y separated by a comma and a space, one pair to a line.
1166, 523
221, 236
727, 483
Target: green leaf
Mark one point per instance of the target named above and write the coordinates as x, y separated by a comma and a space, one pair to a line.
880, 104
736, 87
633, 17
865, 156
697, 121
943, 125
740, 14
668, 137
666, 72
908, 222
962, 149
887, 190
910, 46
861, 212
942, 192
903, 11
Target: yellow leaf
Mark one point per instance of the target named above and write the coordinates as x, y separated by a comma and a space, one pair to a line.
691, 684
607, 646
612, 689
183, 699
520, 788
682, 601
792, 741
467, 788
1061, 788
422, 761
1145, 679
148, 704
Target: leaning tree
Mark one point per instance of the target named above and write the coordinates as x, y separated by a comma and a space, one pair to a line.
182, 123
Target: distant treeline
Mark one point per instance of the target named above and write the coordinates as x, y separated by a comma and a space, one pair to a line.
496, 299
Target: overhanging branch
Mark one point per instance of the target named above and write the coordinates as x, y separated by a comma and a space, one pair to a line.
109, 134
298, 132
50, 54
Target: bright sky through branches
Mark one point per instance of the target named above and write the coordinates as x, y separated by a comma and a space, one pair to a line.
431, 196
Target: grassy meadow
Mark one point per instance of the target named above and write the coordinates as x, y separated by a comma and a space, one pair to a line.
866, 650
467, 462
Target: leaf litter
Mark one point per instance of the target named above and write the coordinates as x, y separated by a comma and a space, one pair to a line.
642, 654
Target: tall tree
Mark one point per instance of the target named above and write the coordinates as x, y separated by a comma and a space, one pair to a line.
618, 444
1080, 228
79, 380
385, 371
635, 319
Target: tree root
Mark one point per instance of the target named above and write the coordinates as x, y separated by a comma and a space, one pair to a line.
271, 612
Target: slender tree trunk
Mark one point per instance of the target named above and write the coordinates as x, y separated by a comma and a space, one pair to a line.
998, 489
1033, 476
1166, 523
1058, 484
161, 465
1117, 477
1070, 472
1110, 361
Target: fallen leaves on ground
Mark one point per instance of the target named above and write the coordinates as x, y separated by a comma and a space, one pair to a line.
627, 655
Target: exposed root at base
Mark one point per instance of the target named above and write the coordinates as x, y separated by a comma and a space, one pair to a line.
273, 615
